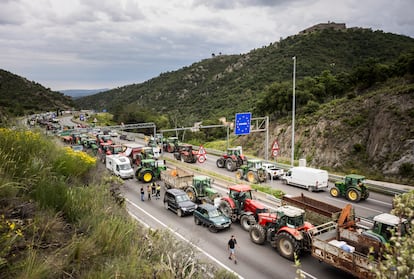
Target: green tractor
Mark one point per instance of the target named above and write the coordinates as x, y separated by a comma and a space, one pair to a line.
353, 188
170, 144
253, 171
201, 191
150, 169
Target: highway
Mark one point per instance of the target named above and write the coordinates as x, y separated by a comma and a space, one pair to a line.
254, 261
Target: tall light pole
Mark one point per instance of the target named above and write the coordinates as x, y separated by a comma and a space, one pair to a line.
293, 112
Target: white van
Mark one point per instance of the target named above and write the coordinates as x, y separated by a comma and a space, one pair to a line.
309, 178
120, 166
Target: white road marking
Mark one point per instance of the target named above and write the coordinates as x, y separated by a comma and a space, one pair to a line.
180, 236
366, 208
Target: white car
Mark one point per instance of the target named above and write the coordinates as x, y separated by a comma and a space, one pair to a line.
113, 134
273, 172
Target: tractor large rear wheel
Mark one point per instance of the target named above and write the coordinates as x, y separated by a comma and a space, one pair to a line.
287, 246
334, 192
257, 234
191, 194
247, 221
220, 163
147, 176
251, 176
353, 194
230, 165
239, 174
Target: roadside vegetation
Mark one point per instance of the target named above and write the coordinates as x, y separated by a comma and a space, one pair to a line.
59, 220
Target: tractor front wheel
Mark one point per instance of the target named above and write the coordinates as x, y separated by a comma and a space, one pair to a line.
191, 194
353, 194
251, 176
257, 234
246, 221
287, 246
239, 174
334, 192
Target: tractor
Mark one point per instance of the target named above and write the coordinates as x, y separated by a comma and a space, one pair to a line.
201, 191
284, 229
353, 188
170, 144
240, 205
150, 169
253, 171
232, 160
186, 153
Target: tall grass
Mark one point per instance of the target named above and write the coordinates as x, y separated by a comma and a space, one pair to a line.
53, 225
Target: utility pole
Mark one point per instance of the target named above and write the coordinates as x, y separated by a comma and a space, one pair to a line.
293, 112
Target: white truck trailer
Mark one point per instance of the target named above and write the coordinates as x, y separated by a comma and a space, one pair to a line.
309, 178
120, 166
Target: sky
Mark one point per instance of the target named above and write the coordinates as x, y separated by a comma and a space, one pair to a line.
93, 44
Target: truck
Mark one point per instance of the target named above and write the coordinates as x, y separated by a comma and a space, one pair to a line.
198, 187
120, 166
272, 171
308, 178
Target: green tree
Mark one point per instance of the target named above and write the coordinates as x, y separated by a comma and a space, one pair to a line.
398, 261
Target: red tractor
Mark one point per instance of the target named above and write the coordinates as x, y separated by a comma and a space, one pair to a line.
186, 153
240, 205
285, 229
232, 160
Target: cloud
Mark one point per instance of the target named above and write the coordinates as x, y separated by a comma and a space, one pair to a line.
91, 42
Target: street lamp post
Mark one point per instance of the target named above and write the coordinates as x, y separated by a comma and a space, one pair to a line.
293, 112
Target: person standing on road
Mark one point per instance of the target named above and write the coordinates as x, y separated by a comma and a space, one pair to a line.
149, 192
158, 188
231, 245
153, 188
142, 193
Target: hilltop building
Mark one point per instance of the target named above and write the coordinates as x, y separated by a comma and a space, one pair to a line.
322, 26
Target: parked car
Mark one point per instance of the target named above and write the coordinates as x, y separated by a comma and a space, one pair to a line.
272, 171
208, 215
178, 201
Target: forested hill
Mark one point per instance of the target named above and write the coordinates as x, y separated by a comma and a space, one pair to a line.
226, 84
19, 96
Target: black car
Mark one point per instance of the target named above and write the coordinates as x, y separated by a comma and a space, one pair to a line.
208, 215
178, 201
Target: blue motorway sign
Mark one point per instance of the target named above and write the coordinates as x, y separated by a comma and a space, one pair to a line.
242, 123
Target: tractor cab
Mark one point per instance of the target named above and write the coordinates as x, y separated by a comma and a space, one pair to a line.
254, 164
384, 224
201, 182
291, 217
354, 180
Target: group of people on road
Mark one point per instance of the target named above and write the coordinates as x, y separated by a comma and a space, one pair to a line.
153, 190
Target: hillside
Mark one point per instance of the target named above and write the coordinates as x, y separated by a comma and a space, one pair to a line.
354, 99
227, 84
19, 96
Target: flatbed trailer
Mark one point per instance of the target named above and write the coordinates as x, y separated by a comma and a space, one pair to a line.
344, 249
176, 178
317, 212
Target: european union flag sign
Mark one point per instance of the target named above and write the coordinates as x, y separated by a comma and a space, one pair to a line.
243, 123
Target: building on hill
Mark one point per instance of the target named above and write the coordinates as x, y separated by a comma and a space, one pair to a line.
322, 26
